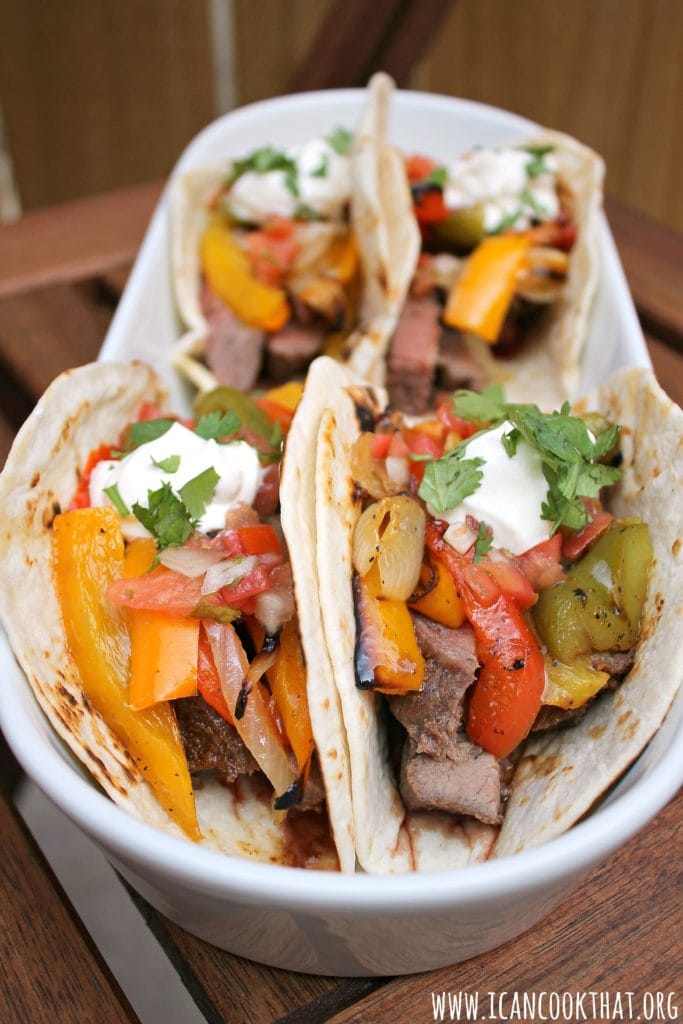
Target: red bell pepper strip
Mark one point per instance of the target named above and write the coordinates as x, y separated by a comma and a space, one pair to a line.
508, 694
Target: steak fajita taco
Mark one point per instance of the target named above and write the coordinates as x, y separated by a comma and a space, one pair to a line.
148, 594
497, 278
501, 592
264, 262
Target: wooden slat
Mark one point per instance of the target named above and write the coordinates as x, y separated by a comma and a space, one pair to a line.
75, 240
617, 932
49, 967
411, 38
653, 260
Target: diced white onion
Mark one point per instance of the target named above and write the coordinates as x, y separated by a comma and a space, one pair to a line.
273, 609
460, 537
189, 561
398, 469
226, 572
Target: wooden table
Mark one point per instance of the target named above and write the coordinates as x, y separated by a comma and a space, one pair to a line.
61, 273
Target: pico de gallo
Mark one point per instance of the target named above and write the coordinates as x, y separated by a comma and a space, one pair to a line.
177, 600
495, 595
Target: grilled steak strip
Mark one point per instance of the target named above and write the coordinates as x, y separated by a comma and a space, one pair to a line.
211, 743
413, 354
233, 350
291, 349
467, 783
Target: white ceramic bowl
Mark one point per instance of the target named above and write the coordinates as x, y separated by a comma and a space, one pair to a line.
322, 922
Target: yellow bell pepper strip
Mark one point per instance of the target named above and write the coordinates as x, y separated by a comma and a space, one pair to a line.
570, 686
287, 679
163, 648
388, 658
87, 551
341, 259
228, 274
442, 602
287, 395
479, 300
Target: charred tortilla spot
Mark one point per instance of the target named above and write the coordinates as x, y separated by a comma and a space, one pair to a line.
676, 546
596, 732
35, 480
68, 697
326, 704
49, 514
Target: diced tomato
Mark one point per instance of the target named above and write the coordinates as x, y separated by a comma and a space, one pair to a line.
541, 564
81, 498
512, 581
160, 590
553, 233
208, 680
576, 543
276, 413
268, 495
272, 250
422, 444
429, 206
379, 445
465, 428
509, 692
398, 448
419, 167
229, 542
257, 540
149, 411
240, 594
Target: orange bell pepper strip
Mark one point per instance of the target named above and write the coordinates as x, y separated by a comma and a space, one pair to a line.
286, 396
509, 692
341, 259
442, 603
163, 648
87, 552
287, 679
479, 300
386, 645
228, 274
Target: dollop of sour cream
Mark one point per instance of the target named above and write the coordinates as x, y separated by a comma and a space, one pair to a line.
237, 465
498, 180
510, 494
323, 181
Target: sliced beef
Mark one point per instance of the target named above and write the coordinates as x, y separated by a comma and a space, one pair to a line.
234, 350
432, 716
469, 782
413, 354
550, 717
291, 349
457, 366
617, 663
211, 743
453, 648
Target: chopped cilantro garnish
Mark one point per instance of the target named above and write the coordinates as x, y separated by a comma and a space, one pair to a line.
438, 176
217, 424
198, 492
264, 160
148, 430
116, 500
323, 168
484, 541
218, 612
537, 165
303, 211
340, 140
450, 479
506, 222
420, 457
169, 465
568, 452
166, 518
529, 199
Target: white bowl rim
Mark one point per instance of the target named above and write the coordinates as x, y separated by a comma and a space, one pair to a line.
200, 868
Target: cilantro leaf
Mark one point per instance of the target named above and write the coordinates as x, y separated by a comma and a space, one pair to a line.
530, 200
537, 165
169, 465
483, 408
302, 211
446, 482
216, 424
484, 541
437, 177
323, 167
166, 518
507, 222
340, 140
116, 500
148, 430
264, 160
198, 492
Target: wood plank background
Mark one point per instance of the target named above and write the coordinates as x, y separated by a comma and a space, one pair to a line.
103, 95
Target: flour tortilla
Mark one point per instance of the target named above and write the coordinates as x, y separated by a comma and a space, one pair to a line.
548, 364
562, 774
82, 409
